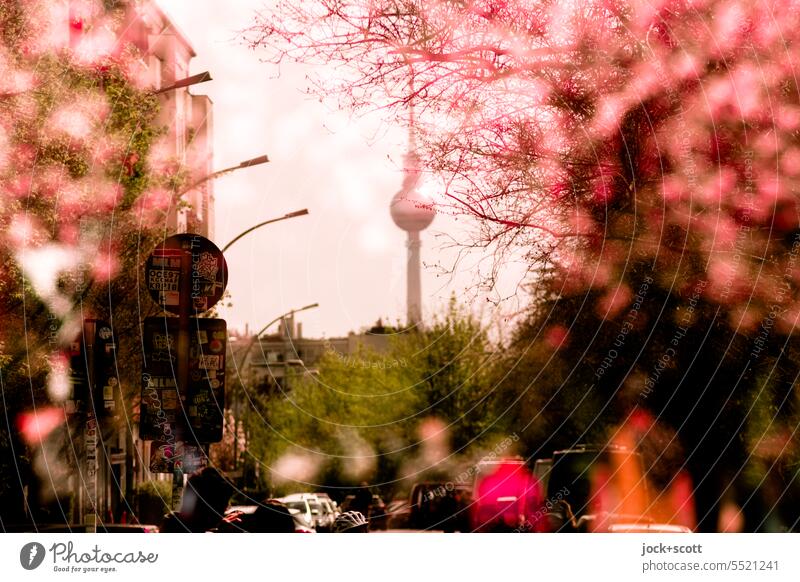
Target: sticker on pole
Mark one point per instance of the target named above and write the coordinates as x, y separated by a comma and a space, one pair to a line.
165, 456
191, 260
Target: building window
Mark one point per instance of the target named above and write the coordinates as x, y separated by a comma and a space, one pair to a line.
158, 72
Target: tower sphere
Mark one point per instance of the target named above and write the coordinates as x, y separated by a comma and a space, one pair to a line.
412, 211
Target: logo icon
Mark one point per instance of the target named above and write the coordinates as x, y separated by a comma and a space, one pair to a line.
31, 555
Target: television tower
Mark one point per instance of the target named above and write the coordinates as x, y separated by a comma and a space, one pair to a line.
413, 212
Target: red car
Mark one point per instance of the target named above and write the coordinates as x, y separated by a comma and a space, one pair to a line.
506, 498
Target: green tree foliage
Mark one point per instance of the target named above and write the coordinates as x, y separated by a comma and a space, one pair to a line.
352, 420
453, 363
359, 416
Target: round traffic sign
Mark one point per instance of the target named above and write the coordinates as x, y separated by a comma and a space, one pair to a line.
186, 266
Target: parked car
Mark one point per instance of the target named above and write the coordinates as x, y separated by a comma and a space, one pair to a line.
302, 505
238, 518
377, 514
319, 507
605, 522
439, 505
300, 523
570, 488
541, 470
647, 528
328, 512
506, 497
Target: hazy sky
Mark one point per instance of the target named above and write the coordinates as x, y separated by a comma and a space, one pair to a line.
347, 254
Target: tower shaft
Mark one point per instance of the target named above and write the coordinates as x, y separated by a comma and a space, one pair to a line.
413, 283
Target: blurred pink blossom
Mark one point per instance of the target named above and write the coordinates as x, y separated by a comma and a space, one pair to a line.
36, 426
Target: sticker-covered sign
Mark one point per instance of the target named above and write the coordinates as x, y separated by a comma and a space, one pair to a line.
160, 408
163, 275
204, 400
188, 260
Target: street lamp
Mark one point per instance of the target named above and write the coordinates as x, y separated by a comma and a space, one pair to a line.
245, 164
266, 327
302, 212
187, 82
180, 84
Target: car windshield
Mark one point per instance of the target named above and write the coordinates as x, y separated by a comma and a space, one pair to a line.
301, 505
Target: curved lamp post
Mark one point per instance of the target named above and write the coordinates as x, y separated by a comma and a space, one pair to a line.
187, 82
266, 327
245, 164
302, 212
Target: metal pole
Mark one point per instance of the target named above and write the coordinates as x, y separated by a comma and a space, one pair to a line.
91, 431
235, 398
129, 476
182, 348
